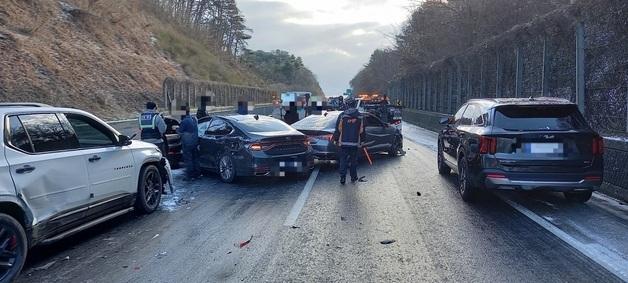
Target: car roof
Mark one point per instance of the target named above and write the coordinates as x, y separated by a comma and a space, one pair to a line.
35, 109
493, 102
242, 118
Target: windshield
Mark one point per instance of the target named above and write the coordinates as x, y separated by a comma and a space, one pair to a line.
534, 118
317, 122
264, 124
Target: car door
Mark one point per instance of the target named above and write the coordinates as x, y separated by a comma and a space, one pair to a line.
450, 137
377, 135
463, 130
212, 142
110, 167
48, 170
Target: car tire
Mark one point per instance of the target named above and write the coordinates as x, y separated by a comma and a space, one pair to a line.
149, 189
13, 238
226, 169
465, 187
579, 197
443, 169
396, 147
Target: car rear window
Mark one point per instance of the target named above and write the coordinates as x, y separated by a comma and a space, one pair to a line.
263, 125
535, 118
317, 122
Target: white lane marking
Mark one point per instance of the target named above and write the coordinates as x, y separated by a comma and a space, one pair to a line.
610, 260
606, 258
298, 206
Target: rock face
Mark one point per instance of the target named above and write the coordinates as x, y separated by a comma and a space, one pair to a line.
94, 55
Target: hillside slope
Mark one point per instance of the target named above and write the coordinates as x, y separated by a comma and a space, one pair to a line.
106, 56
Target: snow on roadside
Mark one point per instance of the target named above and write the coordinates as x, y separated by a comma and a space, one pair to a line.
420, 136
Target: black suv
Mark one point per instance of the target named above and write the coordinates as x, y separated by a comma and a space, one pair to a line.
521, 144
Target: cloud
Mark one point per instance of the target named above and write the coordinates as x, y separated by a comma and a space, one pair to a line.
334, 38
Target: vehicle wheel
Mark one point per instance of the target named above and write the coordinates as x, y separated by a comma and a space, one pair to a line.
443, 169
466, 189
226, 169
580, 197
149, 190
396, 147
13, 248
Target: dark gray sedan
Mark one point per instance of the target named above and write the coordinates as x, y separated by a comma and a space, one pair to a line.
380, 136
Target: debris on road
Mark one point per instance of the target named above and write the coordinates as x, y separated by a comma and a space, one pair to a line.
362, 179
161, 254
243, 244
387, 242
342, 218
229, 253
154, 237
418, 194
67, 258
294, 227
45, 266
125, 266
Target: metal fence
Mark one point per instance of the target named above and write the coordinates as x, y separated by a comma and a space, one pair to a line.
572, 53
179, 93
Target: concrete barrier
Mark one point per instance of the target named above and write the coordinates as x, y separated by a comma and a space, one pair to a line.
615, 155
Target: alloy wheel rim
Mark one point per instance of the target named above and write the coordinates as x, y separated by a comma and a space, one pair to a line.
462, 178
226, 168
9, 251
151, 188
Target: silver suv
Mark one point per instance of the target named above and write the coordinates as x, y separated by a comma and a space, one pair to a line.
63, 171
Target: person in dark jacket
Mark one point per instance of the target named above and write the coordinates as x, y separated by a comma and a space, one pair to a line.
292, 116
153, 127
188, 129
348, 137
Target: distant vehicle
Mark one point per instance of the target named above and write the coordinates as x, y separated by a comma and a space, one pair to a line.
252, 145
379, 106
63, 171
380, 137
521, 144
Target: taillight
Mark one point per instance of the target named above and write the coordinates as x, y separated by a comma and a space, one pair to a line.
321, 138
597, 146
255, 147
495, 176
488, 145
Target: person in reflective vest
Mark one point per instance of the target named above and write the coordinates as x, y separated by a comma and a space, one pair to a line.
348, 137
153, 127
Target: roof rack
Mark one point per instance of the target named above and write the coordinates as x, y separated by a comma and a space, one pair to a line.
23, 104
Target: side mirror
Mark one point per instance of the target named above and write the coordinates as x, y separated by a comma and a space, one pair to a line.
124, 140
446, 120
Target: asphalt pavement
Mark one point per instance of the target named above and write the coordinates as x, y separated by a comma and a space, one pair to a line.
405, 223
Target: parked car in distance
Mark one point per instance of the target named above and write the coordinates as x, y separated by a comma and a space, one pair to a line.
522, 144
63, 171
252, 145
380, 136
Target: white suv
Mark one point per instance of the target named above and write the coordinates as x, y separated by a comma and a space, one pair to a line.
63, 171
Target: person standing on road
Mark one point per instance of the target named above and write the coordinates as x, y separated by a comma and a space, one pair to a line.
189, 142
348, 137
153, 127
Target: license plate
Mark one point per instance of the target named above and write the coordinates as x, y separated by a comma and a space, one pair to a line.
544, 148
291, 164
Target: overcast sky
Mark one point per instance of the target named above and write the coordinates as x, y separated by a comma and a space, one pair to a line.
334, 37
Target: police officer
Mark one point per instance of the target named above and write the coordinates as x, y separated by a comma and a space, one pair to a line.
348, 138
153, 126
189, 141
